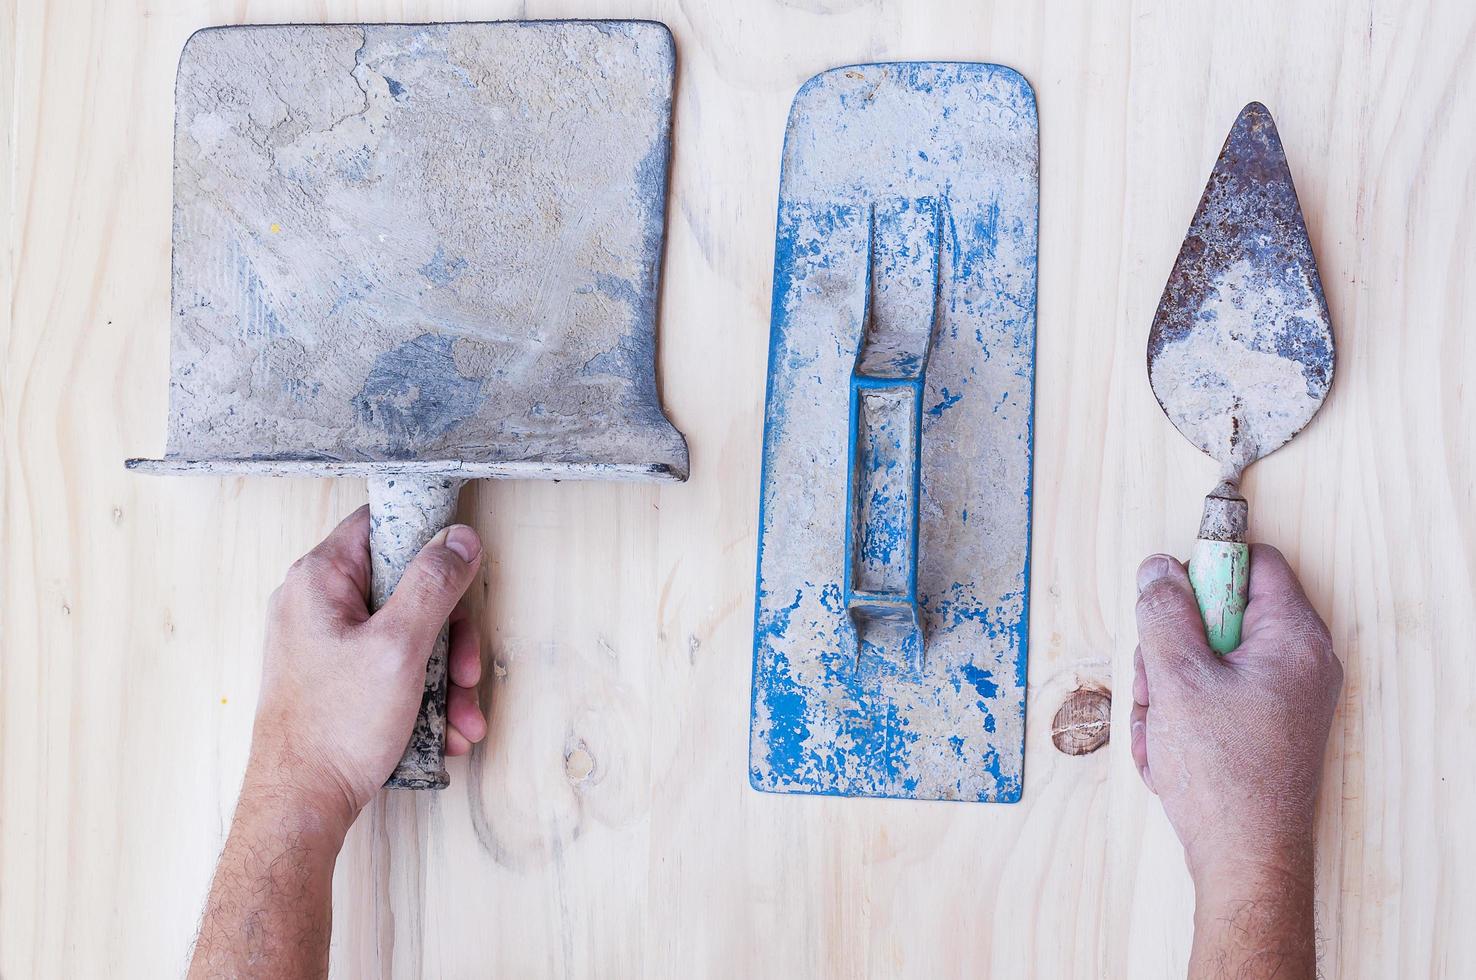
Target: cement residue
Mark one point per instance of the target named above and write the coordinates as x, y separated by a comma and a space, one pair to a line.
342, 192
1227, 383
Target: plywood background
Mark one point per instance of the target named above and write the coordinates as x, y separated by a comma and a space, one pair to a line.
607, 828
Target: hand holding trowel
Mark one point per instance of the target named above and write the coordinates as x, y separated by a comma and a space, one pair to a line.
420, 254
1241, 351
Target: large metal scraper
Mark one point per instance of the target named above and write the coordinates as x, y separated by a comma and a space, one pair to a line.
894, 540
420, 254
1241, 351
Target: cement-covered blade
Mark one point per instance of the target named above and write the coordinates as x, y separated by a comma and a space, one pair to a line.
421, 248
1241, 351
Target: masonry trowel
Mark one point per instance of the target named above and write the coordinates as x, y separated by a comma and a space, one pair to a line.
1241, 351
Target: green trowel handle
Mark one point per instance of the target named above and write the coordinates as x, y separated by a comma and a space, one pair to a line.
1219, 567
1220, 574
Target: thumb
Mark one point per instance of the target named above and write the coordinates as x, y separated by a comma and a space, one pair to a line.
434, 581
1170, 629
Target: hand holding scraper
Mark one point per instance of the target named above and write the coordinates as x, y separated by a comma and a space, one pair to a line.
1241, 351
420, 254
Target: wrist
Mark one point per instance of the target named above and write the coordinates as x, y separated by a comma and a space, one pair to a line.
1243, 845
1273, 870
1254, 918
282, 808
296, 795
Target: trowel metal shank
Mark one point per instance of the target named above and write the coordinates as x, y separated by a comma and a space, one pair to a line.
890, 624
420, 254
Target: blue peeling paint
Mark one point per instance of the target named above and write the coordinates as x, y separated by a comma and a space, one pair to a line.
830, 598
299, 390
632, 357
979, 248
982, 682
947, 402
783, 699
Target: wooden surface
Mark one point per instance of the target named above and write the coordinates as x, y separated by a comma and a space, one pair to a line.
607, 829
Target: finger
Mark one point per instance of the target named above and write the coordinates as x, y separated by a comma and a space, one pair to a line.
337, 568
456, 743
1170, 630
1140, 679
433, 583
1271, 574
1138, 742
464, 714
350, 537
466, 648
1277, 600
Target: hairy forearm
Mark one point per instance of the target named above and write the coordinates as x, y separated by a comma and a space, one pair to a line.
1256, 922
269, 913
340, 688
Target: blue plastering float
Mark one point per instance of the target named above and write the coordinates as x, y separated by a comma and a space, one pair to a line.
892, 610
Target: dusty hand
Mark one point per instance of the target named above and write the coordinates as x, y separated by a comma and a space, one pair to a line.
341, 688
1233, 746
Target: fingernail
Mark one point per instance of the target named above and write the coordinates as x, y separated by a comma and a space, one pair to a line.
464, 541
1153, 569
1138, 726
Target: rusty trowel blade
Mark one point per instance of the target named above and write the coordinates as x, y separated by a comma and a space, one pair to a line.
1241, 351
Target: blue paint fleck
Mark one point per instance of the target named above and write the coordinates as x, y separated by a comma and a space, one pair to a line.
348, 294
830, 598
982, 681
299, 390
948, 401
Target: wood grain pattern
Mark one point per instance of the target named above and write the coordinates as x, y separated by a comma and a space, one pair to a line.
607, 828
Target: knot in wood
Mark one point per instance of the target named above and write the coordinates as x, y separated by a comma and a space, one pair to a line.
1083, 724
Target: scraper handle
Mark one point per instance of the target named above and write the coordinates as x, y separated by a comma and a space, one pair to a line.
406, 511
1219, 567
